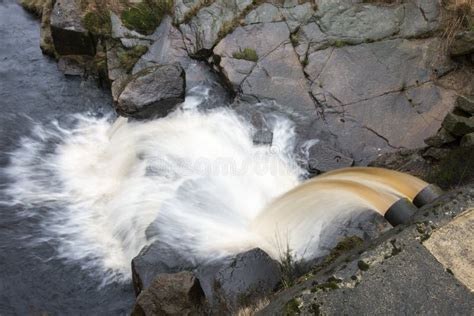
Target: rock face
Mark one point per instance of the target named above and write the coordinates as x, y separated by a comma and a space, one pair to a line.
153, 92
171, 294
204, 29
68, 33
156, 259
322, 158
249, 277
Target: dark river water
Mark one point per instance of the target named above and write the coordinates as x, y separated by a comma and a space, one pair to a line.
33, 90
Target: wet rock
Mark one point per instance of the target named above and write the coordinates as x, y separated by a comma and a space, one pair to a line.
68, 33
323, 158
46, 39
436, 153
463, 44
468, 140
249, 277
156, 259
458, 125
171, 294
263, 137
465, 104
152, 92
204, 29
441, 138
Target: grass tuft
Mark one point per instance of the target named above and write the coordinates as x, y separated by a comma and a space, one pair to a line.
247, 54
145, 17
129, 57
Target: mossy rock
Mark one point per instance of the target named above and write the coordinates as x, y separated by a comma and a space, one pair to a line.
129, 57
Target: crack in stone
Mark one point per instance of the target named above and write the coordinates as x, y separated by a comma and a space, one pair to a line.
381, 136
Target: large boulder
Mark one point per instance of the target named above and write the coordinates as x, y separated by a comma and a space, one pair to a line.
69, 35
172, 294
153, 92
249, 277
155, 259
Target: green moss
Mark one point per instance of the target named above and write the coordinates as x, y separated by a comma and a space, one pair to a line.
455, 169
98, 22
145, 17
292, 307
129, 57
339, 43
343, 246
363, 266
247, 54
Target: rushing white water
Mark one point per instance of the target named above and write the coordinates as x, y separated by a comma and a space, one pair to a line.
197, 176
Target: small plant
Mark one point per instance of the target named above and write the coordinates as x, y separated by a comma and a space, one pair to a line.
129, 57
295, 39
458, 16
339, 43
145, 17
247, 54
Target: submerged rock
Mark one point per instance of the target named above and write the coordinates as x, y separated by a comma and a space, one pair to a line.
69, 35
152, 92
171, 294
249, 277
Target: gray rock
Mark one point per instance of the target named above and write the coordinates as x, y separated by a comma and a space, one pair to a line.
264, 13
441, 138
262, 38
69, 35
154, 91
421, 18
458, 125
115, 69
465, 104
436, 153
168, 48
279, 77
156, 259
246, 279
203, 31
119, 31
172, 294
184, 7
323, 158
359, 23
297, 15
463, 44
73, 65
468, 140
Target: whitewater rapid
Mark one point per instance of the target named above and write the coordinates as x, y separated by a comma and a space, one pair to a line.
194, 179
